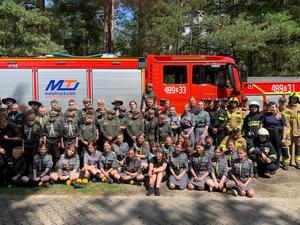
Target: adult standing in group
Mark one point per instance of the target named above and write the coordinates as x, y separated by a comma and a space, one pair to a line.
275, 123
35, 105
193, 106
286, 146
295, 125
218, 121
187, 124
202, 121
9, 102
148, 94
235, 118
117, 103
252, 122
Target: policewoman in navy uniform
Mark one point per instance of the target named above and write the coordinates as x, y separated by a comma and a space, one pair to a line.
275, 123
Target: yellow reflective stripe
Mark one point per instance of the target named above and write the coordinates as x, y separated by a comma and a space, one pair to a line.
254, 122
241, 167
237, 115
217, 168
251, 150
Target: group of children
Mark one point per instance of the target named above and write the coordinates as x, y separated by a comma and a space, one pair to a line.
181, 166
222, 147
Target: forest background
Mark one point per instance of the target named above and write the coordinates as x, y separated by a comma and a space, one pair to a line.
263, 34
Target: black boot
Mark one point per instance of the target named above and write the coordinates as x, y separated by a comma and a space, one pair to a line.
150, 191
255, 172
146, 182
156, 191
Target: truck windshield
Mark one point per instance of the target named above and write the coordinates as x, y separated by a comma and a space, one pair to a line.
214, 74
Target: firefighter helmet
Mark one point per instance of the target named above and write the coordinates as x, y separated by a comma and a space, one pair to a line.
263, 132
234, 99
295, 94
254, 103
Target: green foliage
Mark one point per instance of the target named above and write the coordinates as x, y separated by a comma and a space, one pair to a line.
262, 34
24, 33
78, 25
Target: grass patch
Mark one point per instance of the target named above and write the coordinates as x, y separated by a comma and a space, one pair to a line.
61, 189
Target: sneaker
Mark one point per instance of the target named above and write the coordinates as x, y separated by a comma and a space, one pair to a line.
210, 189
232, 192
273, 172
285, 167
256, 175
298, 166
150, 192
156, 192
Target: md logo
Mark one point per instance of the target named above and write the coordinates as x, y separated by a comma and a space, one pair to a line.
62, 85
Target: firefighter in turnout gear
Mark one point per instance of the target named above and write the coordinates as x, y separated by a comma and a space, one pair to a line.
286, 146
295, 125
263, 154
252, 122
234, 115
218, 121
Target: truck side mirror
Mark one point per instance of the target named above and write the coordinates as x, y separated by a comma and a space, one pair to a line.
242, 68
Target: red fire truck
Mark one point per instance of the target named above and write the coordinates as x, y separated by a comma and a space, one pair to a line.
175, 78
269, 91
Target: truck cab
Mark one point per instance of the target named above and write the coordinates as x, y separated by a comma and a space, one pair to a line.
177, 78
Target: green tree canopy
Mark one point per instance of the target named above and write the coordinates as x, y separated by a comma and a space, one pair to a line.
24, 33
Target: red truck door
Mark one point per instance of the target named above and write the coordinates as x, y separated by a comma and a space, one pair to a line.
210, 81
174, 84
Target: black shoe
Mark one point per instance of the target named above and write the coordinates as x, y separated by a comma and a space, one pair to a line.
77, 185
285, 167
256, 175
51, 182
150, 192
156, 192
298, 166
110, 181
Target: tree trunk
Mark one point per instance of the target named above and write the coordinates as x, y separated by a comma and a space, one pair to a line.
109, 6
42, 5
